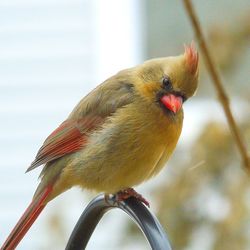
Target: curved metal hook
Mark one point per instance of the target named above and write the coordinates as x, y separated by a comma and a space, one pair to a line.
145, 220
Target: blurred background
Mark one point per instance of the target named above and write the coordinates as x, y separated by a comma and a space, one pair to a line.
53, 52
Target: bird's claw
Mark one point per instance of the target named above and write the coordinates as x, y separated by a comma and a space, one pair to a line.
130, 192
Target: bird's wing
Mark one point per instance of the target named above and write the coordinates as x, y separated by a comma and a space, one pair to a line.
88, 115
69, 137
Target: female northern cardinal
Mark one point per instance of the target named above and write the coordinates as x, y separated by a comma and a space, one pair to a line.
119, 135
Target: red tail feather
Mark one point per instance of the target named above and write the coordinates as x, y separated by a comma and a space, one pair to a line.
26, 221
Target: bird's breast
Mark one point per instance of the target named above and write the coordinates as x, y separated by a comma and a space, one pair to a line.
130, 147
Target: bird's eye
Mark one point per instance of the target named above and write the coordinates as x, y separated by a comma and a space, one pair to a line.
167, 83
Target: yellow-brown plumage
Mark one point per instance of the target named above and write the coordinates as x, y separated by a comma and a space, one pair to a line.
136, 138
119, 135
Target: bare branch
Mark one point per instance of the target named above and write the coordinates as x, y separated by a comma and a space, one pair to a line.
222, 96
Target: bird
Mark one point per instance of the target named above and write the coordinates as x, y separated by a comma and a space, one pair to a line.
119, 135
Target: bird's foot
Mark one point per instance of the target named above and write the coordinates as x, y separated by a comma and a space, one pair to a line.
130, 192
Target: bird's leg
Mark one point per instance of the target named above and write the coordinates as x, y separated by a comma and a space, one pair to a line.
106, 198
130, 192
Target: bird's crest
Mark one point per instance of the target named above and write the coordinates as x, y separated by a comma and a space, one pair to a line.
192, 57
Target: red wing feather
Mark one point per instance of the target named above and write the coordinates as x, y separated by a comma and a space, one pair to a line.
69, 137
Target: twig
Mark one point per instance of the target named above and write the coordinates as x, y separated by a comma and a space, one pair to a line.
197, 165
222, 96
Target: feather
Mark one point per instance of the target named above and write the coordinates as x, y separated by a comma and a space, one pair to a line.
192, 58
27, 219
69, 137
87, 116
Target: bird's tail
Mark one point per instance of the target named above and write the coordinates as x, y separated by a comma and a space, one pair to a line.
27, 219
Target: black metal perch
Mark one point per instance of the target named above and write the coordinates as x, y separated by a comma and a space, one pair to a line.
145, 220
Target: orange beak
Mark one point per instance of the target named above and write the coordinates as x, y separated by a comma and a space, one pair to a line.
172, 102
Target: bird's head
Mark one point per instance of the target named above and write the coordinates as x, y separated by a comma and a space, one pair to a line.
171, 80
